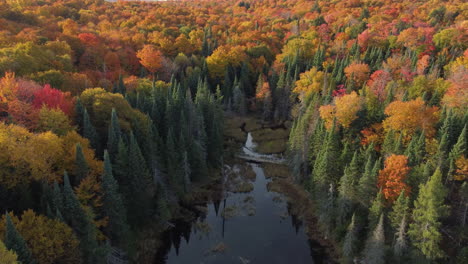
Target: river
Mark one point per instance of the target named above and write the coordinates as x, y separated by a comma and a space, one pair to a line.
250, 226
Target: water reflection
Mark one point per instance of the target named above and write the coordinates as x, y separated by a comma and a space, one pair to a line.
259, 229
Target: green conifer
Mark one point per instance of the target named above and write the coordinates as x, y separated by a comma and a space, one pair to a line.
15, 242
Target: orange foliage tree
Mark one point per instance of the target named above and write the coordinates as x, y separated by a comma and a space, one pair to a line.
358, 72
408, 117
392, 178
151, 58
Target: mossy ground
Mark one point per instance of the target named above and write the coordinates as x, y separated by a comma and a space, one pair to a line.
271, 138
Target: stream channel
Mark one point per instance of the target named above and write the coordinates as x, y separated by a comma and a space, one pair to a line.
251, 226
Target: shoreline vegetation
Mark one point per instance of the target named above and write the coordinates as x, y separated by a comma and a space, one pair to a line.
118, 119
236, 130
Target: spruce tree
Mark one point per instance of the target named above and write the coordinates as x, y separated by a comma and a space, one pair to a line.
347, 191
79, 111
80, 222
89, 131
350, 242
15, 242
139, 179
113, 135
374, 251
401, 244
375, 210
458, 150
367, 183
429, 209
389, 143
120, 168
399, 210
81, 166
113, 206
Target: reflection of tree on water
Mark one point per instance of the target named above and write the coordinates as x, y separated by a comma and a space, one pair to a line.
262, 237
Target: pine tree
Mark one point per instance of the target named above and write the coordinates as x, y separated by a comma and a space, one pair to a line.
398, 148
401, 243
15, 242
399, 210
57, 200
375, 210
350, 241
112, 204
389, 143
239, 100
428, 210
458, 150
374, 251
81, 166
186, 172
80, 222
367, 187
347, 191
79, 111
89, 131
139, 179
113, 135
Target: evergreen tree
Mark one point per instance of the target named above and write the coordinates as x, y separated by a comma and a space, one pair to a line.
399, 210
80, 222
79, 112
458, 150
347, 191
186, 172
389, 143
401, 244
350, 241
139, 180
15, 242
374, 251
239, 100
89, 131
57, 200
81, 166
113, 135
398, 148
428, 210
375, 210
113, 206
367, 183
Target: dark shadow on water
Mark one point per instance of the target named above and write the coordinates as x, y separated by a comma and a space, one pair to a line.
259, 229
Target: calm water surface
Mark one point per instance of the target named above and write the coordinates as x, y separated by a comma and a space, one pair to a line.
261, 230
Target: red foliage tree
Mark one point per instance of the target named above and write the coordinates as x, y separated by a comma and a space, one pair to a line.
88, 39
53, 98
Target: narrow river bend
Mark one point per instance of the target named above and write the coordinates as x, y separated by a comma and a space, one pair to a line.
253, 225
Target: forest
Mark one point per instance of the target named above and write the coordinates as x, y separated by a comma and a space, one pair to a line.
116, 116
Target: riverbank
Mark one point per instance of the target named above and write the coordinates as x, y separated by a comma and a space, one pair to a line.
266, 135
238, 181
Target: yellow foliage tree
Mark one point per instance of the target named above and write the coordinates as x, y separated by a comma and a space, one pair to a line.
309, 82
347, 107
25, 156
344, 110
54, 120
222, 57
51, 241
408, 117
7, 256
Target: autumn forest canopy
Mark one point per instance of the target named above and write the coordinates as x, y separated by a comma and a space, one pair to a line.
112, 114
